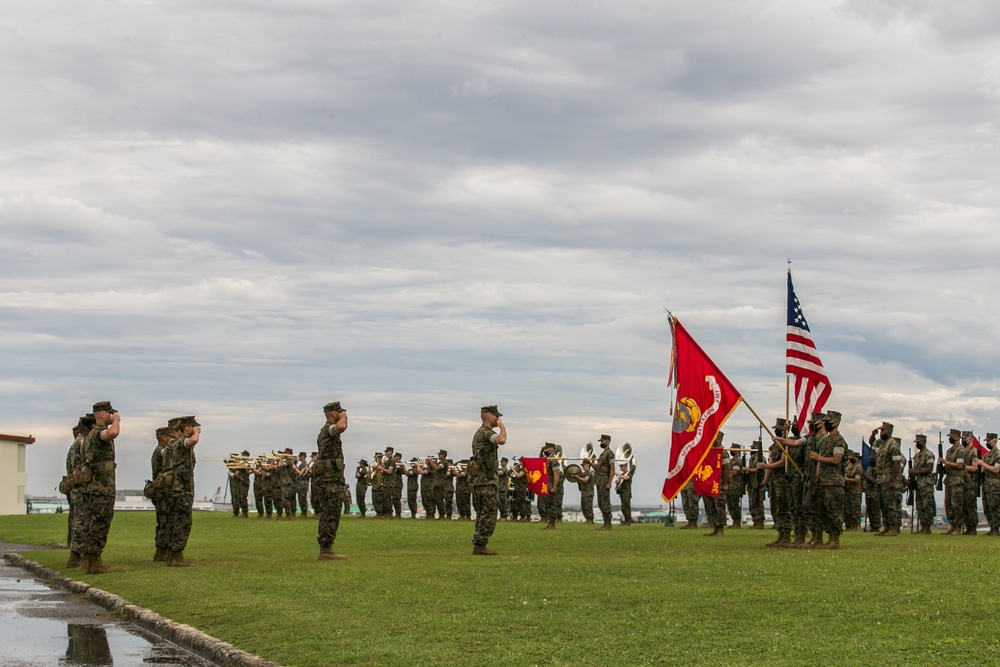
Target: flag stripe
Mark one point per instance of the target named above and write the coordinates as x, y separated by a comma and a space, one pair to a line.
802, 362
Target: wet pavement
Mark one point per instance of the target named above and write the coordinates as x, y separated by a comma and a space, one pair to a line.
42, 626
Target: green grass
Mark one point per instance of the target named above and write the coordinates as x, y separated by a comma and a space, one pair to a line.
411, 594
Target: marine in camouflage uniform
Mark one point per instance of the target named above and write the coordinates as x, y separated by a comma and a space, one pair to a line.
972, 467
990, 465
715, 506
831, 449
503, 489
852, 493
463, 492
288, 488
888, 478
97, 506
378, 486
159, 494
923, 472
689, 501
258, 490
74, 461
302, 474
427, 487
602, 480
328, 477
774, 478
802, 517
394, 493
585, 482
624, 489
439, 477
521, 507
412, 487
737, 488
179, 463
954, 483
449, 489
483, 476
873, 512
550, 505
239, 487
362, 480
756, 496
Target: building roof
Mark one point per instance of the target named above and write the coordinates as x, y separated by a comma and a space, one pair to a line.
26, 439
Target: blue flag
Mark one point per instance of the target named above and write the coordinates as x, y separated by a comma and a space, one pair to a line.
866, 455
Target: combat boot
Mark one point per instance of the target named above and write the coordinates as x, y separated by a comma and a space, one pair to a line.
892, 532
833, 543
588, 522
758, 525
924, 530
783, 539
551, 525
161, 555
481, 550
737, 523
74, 559
329, 554
692, 524
176, 559
714, 532
96, 566
815, 540
951, 530
971, 530
606, 526
244, 515
798, 542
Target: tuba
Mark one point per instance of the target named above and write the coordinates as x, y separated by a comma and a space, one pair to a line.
587, 452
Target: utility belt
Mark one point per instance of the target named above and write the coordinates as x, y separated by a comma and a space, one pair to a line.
323, 466
488, 468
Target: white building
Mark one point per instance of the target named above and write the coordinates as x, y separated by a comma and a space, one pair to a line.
13, 478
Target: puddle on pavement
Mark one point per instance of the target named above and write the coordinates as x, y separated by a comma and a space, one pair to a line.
45, 627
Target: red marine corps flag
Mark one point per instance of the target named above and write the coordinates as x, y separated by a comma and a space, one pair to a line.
536, 475
708, 476
705, 399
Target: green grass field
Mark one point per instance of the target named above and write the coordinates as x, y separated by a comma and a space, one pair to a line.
411, 593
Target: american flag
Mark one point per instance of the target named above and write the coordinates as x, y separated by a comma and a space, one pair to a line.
812, 386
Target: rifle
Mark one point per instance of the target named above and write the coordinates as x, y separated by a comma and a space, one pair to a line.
911, 490
940, 466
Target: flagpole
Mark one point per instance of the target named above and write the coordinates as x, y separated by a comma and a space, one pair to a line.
788, 456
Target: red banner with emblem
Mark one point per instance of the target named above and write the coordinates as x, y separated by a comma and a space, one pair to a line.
536, 474
708, 475
705, 399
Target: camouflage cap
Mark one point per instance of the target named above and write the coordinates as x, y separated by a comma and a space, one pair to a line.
851, 454
921, 438
389, 448
966, 434
165, 430
191, 421
302, 454
362, 462
86, 421
991, 436
103, 406
442, 452
833, 416
313, 453
604, 437
549, 445
288, 450
503, 458
333, 407
491, 409
174, 422
780, 423
245, 453
954, 433
887, 426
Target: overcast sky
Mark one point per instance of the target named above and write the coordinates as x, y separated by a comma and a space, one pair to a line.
243, 210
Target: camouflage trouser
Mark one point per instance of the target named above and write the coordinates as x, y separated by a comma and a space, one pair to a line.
178, 520
543, 507
926, 506
556, 506
360, 491
521, 507
240, 491
587, 505
830, 508
503, 501
463, 498
346, 501
288, 495
734, 503
852, 510
891, 501
437, 497
267, 494
795, 484
330, 503
689, 501
378, 499
991, 502
96, 513
872, 509
757, 508
604, 500
74, 524
971, 504
625, 496
302, 495
715, 508
160, 505
394, 500
954, 503
427, 498
484, 500
779, 505
449, 499
411, 499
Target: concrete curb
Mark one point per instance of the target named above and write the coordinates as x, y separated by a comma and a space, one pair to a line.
190, 639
